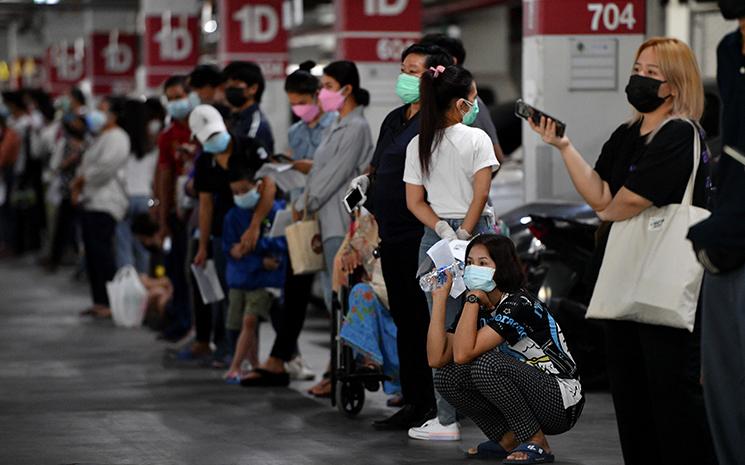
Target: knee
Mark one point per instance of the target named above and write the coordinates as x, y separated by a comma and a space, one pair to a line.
488, 367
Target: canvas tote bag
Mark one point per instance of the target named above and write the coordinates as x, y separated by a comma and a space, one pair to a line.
649, 272
304, 244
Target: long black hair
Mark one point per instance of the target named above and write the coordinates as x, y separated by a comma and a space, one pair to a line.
436, 96
509, 275
301, 81
345, 73
130, 117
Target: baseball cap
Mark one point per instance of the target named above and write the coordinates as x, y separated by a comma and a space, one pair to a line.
205, 121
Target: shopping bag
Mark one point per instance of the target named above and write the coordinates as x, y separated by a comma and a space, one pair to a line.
649, 272
305, 246
127, 298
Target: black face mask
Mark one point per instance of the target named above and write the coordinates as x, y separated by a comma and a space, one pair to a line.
235, 96
732, 9
643, 93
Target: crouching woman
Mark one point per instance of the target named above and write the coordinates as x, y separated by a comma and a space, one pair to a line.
504, 362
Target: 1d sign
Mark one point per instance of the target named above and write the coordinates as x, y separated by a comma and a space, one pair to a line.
577, 17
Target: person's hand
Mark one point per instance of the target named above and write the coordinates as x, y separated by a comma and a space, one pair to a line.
250, 237
483, 298
360, 182
185, 151
350, 261
296, 216
201, 258
546, 128
463, 235
304, 166
237, 251
444, 291
443, 229
270, 263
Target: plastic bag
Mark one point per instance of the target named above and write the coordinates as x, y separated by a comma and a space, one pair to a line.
127, 297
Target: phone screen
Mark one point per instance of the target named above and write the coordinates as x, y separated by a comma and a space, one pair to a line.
353, 199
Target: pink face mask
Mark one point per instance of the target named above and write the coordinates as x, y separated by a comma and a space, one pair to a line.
306, 112
330, 100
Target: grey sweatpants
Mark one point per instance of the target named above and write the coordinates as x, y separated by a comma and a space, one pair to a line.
723, 359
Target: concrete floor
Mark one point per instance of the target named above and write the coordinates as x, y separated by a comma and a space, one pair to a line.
84, 392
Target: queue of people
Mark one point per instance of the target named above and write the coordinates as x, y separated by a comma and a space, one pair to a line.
166, 186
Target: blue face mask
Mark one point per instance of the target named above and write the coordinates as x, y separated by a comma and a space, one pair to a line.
217, 143
194, 99
470, 117
95, 120
248, 200
479, 278
179, 109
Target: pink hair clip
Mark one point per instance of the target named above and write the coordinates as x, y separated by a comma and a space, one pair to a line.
437, 70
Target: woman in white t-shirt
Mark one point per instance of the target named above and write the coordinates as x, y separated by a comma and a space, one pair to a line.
448, 174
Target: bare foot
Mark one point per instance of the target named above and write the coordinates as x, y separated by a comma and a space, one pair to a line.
322, 389
538, 439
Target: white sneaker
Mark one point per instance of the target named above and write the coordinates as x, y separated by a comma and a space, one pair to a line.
298, 370
433, 430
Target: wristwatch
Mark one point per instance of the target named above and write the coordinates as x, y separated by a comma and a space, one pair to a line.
472, 299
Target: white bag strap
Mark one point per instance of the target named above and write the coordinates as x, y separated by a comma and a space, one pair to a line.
688, 196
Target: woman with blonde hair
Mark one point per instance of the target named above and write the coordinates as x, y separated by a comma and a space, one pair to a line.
653, 369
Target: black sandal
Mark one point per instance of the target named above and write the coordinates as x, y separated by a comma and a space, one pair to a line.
267, 379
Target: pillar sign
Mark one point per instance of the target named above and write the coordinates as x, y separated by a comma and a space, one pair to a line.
573, 17
376, 30
253, 30
171, 45
65, 66
112, 62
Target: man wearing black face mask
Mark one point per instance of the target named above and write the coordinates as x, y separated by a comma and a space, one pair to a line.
244, 87
720, 244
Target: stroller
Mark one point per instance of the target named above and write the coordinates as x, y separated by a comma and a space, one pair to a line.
349, 380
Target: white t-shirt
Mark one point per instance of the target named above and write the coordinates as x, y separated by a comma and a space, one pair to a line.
140, 174
462, 152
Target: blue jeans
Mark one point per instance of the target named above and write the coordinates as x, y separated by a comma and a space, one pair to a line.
129, 251
445, 412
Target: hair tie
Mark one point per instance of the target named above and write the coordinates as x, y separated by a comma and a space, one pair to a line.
437, 70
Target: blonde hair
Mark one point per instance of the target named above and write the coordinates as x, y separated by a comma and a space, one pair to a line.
678, 64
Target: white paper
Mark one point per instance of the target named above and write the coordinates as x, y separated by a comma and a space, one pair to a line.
282, 219
444, 253
287, 179
208, 282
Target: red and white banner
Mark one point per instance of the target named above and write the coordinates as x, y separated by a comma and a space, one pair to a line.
171, 44
65, 66
112, 62
578, 17
376, 30
253, 30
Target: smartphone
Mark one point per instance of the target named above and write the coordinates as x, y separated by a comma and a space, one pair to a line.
734, 154
281, 158
354, 199
525, 111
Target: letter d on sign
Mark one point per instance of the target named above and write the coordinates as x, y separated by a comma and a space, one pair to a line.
251, 19
385, 7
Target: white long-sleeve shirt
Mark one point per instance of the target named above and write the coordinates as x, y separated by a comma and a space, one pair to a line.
103, 169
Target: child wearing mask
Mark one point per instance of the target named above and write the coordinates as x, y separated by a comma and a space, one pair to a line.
249, 274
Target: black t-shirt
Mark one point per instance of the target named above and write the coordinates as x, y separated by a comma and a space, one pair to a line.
533, 337
657, 170
388, 200
210, 177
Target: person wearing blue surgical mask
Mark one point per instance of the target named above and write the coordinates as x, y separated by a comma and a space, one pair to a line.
97, 190
504, 361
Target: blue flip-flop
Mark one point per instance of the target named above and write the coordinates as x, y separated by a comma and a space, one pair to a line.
535, 453
488, 450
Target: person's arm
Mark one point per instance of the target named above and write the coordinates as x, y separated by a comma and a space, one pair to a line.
9, 148
481, 186
499, 153
626, 204
439, 341
586, 180
418, 206
470, 342
266, 202
206, 205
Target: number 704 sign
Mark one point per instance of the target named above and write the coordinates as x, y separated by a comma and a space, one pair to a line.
574, 17
612, 16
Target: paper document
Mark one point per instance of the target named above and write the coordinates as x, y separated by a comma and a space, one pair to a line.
282, 219
208, 282
444, 253
286, 178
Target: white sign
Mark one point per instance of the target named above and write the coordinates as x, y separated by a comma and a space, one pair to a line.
117, 57
385, 7
175, 43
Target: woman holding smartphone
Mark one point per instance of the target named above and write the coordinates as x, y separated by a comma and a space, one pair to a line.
653, 370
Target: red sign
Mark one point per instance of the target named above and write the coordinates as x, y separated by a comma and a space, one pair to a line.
376, 30
65, 66
112, 62
575, 17
171, 46
253, 30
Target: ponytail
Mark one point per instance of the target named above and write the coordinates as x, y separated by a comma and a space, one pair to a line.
438, 87
345, 73
361, 96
